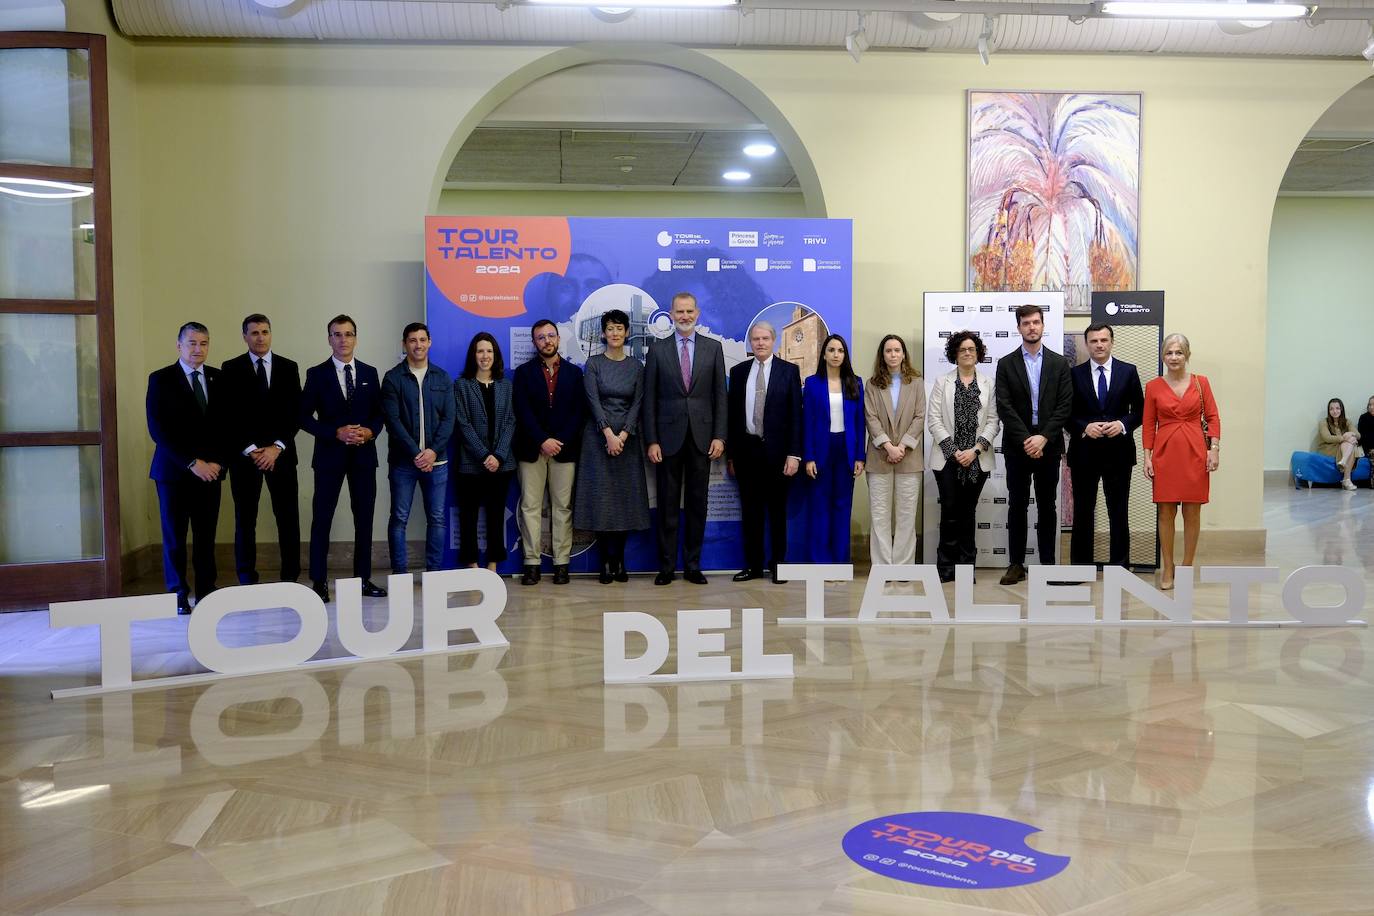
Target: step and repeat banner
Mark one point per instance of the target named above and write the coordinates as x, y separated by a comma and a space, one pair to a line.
502, 274
992, 317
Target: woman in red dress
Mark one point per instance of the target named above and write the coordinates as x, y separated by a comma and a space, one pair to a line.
1177, 458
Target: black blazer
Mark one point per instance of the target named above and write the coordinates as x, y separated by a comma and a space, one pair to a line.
180, 432
536, 420
324, 410
255, 418
1014, 403
1125, 402
671, 413
782, 410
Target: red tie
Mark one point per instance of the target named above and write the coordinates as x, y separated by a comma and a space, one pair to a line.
686, 362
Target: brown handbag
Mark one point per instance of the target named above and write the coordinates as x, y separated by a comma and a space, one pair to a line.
1202, 413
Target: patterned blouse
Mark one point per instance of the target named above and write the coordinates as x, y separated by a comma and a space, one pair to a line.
967, 405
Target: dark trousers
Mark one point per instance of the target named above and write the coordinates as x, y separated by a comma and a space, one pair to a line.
1044, 471
958, 517
245, 483
191, 502
688, 468
762, 498
488, 492
362, 496
1116, 485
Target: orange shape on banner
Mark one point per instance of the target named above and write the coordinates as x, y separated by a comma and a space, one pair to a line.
481, 263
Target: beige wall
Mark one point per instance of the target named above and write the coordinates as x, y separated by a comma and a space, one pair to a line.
292, 179
620, 203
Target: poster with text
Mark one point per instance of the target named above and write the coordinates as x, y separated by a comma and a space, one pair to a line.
502, 274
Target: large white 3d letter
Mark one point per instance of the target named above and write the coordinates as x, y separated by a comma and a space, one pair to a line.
614, 627
1324, 615
113, 616
400, 604
203, 634
932, 602
480, 618
815, 576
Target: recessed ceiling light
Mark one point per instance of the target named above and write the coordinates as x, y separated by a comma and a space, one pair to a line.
1188, 9
46, 190
624, 158
760, 150
736, 175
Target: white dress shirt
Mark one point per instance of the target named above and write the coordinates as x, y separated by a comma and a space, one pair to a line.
339, 374
1108, 366
266, 367
836, 412
204, 388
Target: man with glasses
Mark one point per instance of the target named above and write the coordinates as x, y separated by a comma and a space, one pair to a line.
550, 408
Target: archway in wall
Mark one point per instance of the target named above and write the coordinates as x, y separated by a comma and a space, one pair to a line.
1321, 303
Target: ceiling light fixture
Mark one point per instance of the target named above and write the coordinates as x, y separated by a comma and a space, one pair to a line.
51, 190
856, 42
612, 14
1368, 52
636, 4
1187, 9
736, 175
760, 150
985, 39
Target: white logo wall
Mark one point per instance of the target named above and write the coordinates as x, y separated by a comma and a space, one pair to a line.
992, 317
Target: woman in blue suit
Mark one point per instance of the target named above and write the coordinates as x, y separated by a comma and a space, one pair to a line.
834, 447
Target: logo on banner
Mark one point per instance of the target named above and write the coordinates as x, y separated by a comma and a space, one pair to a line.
743, 239
951, 849
481, 264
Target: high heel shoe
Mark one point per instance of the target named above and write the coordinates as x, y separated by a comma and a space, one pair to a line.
1165, 583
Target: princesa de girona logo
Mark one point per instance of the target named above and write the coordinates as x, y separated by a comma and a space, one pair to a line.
481, 264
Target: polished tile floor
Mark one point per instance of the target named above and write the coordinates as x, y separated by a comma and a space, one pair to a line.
1183, 770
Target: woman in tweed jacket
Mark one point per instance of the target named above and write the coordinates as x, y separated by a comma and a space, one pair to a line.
484, 427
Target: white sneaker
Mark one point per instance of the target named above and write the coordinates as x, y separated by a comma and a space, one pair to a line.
1347, 485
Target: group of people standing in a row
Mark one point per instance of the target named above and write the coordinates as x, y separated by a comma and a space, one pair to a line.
1344, 441
581, 436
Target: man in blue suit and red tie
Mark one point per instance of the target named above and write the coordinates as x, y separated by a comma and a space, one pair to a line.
1107, 406
185, 420
341, 406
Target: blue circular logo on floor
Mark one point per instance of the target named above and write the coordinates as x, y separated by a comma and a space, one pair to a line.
951, 849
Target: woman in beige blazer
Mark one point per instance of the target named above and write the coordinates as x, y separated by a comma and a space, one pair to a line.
895, 410
963, 424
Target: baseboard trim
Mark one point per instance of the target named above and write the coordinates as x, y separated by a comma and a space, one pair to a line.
146, 562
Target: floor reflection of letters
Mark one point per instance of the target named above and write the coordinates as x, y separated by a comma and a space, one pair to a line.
722, 714
275, 716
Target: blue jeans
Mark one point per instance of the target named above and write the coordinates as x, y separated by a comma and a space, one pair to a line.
434, 490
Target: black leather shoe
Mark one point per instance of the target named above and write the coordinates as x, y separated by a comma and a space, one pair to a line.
773, 574
322, 590
530, 576
663, 578
183, 605
560, 574
621, 575
372, 591
1014, 574
744, 575
606, 577
248, 578
946, 575
694, 576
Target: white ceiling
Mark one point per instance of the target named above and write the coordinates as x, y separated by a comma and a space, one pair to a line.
1337, 156
756, 23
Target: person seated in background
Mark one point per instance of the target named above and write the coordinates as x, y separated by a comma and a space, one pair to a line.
1337, 439
1365, 428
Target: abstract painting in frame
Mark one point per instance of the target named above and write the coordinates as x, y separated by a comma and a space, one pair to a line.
1054, 192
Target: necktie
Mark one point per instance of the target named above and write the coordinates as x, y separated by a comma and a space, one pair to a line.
198, 391
1102, 387
262, 375
760, 395
686, 363
348, 383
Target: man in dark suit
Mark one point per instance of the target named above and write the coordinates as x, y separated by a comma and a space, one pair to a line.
550, 408
1034, 399
185, 420
685, 419
341, 406
765, 436
263, 391
1107, 405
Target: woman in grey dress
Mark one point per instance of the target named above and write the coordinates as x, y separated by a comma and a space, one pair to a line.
612, 497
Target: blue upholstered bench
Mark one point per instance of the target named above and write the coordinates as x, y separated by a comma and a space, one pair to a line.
1313, 467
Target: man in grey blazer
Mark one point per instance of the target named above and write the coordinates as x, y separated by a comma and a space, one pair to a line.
1034, 401
684, 419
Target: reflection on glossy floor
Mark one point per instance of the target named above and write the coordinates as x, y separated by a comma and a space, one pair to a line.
1183, 770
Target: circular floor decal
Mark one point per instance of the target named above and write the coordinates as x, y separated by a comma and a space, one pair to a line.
951, 849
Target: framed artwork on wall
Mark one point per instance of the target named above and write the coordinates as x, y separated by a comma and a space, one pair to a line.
1053, 193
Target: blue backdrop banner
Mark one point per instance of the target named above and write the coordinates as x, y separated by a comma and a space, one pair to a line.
502, 274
